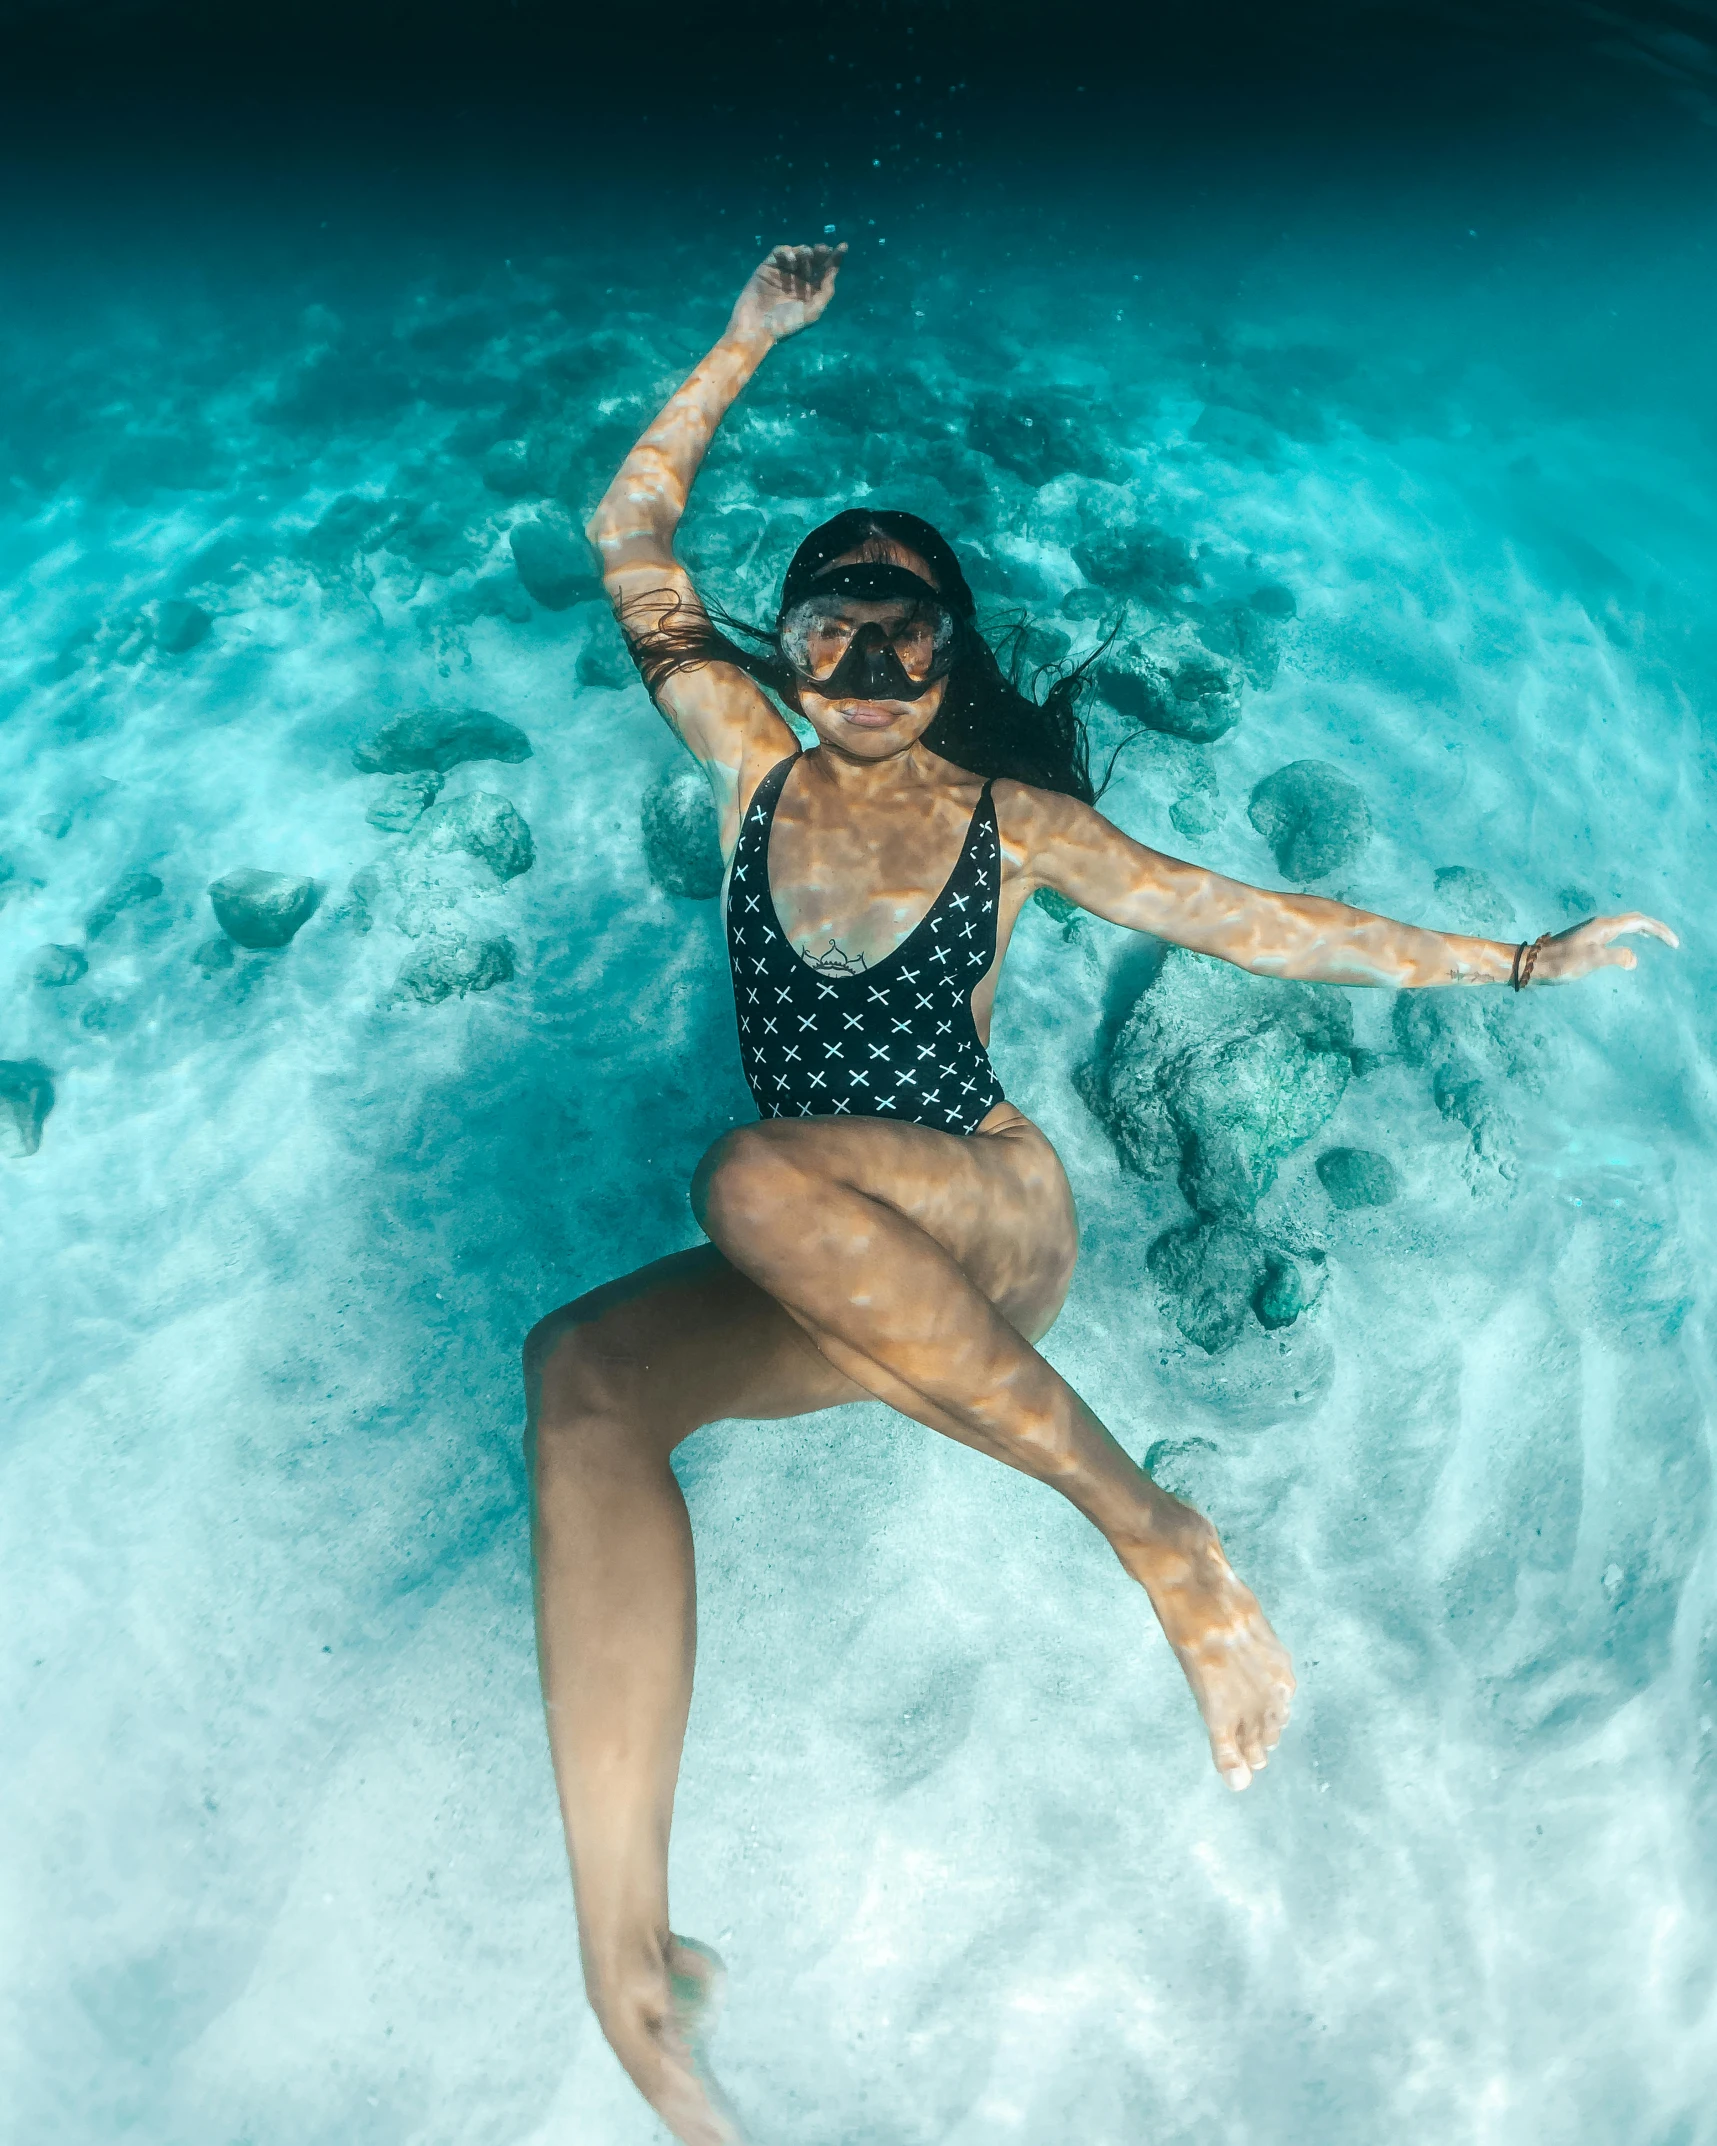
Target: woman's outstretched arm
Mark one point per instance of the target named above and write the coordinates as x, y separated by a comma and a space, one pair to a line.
1073, 849
716, 709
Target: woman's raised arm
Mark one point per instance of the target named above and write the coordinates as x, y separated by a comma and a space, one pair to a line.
1089, 860
714, 706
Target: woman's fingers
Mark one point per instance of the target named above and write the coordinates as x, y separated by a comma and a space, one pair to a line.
1608, 929
809, 266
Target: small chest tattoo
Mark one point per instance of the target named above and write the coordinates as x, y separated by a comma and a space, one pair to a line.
834, 960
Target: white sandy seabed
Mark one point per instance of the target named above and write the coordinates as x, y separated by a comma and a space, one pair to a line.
283, 1860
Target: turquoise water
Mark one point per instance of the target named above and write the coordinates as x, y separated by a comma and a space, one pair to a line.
284, 1860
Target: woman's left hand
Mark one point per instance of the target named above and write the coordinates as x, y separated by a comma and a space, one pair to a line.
1584, 947
787, 291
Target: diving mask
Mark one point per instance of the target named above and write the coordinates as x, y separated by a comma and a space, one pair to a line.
870, 632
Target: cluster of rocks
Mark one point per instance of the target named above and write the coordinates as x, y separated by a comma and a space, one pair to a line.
1470, 1042
57, 966
451, 850
1460, 1038
1186, 674
1214, 1078
263, 911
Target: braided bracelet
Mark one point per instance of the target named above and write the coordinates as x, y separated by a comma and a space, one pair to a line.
1520, 975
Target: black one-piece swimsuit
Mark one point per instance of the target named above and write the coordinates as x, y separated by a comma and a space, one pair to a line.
893, 1041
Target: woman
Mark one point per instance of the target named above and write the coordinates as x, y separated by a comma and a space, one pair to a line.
893, 1227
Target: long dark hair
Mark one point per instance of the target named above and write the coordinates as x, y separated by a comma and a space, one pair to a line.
988, 723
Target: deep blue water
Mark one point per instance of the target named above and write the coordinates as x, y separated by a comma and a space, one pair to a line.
283, 1858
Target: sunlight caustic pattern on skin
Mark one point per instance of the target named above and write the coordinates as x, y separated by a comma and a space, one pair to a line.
288, 1857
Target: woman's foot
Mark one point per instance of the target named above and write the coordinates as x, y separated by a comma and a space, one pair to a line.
1240, 1672
666, 2057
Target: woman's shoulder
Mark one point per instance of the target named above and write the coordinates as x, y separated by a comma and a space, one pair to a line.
1028, 815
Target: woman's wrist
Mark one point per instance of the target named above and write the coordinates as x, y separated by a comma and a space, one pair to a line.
750, 342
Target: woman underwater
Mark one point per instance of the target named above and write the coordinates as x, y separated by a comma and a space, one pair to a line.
893, 1227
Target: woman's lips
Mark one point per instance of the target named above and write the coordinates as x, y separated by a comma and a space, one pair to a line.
866, 715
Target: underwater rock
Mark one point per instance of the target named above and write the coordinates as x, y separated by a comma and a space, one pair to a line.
1280, 1296
1220, 1273
1144, 563
1038, 436
1000, 575
404, 802
1217, 1076
483, 826
497, 595
1085, 602
1313, 818
1474, 902
127, 893
1241, 1104
453, 967
1271, 600
682, 835
1237, 632
57, 966
262, 909
1358, 1177
26, 1097
179, 625
1181, 1466
1466, 1098
1042, 648
440, 738
348, 527
1434, 1025
362, 894
214, 955
604, 660
1199, 809
553, 564
507, 468
1462, 1036
433, 537
1173, 685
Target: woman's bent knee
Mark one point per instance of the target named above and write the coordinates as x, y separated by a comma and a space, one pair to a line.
579, 1379
746, 1183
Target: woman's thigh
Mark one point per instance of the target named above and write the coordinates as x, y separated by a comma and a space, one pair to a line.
682, 1342
997, 1201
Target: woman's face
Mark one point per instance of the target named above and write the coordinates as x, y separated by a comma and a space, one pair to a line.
875, 729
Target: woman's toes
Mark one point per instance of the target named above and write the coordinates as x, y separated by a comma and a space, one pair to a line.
1230, 1762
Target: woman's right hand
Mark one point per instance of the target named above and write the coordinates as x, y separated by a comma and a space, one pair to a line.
787, 292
